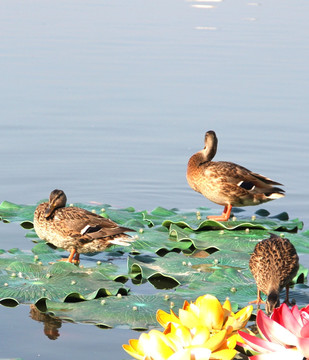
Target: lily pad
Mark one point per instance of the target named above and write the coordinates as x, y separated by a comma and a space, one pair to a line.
10, 256
29, 283
234, 240
137, 312
155, 240
197, 221
223, 273
23, 214
184, 270
177, 250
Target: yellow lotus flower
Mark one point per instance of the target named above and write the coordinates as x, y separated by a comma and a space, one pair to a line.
203, 330
178, 342
207, 311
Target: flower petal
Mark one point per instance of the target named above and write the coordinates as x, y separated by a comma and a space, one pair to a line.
288, 320
164, 318
240, 319
231, 341
132, 352
183, 354
290, 354
158, 346
304, 332
200, 336
184, 335
303, 345
227, 354
259, 344
193, 308
227, 305
173, 338
211, 312
273, 331
188, 319
215, 341
297, 314
186, 305
201, 353
244, 314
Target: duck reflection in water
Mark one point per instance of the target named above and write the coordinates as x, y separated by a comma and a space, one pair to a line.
51, 324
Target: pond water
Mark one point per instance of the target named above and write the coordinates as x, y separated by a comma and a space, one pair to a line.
107, 100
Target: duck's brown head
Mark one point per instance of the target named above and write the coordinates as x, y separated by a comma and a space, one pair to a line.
272, 302
57, 199
210, 144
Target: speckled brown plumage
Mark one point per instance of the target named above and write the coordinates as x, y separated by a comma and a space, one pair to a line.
226, 183
273, 264
74, 229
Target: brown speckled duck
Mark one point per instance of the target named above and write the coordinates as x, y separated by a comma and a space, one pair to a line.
226, 183
74, 229
273, 264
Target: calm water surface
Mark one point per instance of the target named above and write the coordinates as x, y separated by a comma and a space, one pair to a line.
108, 100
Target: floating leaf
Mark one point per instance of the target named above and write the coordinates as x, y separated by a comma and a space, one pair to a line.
181, 269
194, 221
29, 283
217, 264
155, 241
23, 214
137, 312
234, 240
223, 273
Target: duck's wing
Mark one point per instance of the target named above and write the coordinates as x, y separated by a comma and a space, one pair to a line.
235, 174
79, 222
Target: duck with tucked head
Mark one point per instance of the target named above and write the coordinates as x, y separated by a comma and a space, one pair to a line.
226, 183
76, 230
273, 264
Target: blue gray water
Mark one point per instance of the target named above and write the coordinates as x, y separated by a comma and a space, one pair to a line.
108, 100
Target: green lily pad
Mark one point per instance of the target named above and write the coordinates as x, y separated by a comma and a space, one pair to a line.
181, 269
240, 240
137, 312
197, 221
223, 274
159, 255
234, 240
23, 214
155, 240
33, 257
29, 283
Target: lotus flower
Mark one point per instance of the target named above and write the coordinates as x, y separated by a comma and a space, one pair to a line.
203, 330
285, 334
207, 311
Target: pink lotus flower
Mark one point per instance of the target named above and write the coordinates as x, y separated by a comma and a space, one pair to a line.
285, 334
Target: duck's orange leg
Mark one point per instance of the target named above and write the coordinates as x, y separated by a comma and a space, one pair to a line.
224, 216
76, 258
71, 256
259, 300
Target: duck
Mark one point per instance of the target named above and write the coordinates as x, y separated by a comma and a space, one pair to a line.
75, 229
226, 183
274, 263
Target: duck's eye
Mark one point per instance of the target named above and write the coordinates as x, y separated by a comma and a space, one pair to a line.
247, 185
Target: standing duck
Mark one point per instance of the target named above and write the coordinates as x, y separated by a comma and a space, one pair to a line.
273, 264
74, 229
226, 183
